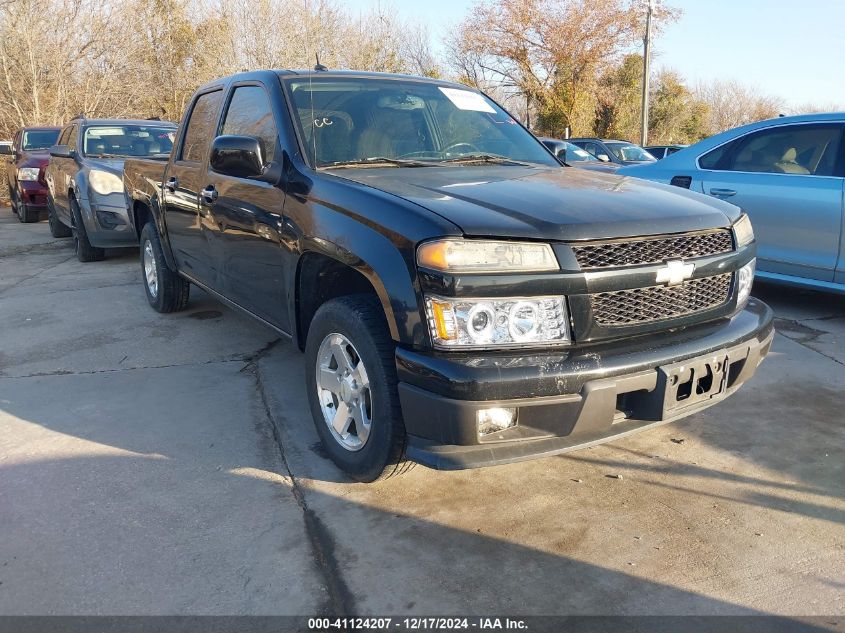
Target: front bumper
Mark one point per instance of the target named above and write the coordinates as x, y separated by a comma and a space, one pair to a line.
33, 194
568, 399
107, 220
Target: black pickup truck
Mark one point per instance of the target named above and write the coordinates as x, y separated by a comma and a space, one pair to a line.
461, 298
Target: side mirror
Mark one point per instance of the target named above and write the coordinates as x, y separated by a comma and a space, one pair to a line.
62, 151
603, 158
6, 149
238, 156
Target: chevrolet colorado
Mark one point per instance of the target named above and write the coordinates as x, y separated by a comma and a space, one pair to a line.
462, 300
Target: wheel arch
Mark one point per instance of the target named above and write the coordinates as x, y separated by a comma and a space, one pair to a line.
321, 277
144, 210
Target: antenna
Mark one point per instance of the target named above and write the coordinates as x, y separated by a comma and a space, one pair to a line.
319, 67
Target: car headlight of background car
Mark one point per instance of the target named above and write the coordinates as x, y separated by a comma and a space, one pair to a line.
499, 322
104, 182
28, 173
743, 231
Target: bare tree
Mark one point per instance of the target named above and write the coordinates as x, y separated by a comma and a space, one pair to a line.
550, 51
812, 108
731, 104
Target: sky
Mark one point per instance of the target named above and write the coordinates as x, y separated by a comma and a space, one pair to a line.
792, 50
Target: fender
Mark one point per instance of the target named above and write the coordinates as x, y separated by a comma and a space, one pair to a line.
153, 204
161, 226
373, 255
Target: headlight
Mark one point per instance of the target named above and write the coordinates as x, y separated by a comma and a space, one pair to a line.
28, 173
744, 281
743, 232
104, 183
476, 256
508, 322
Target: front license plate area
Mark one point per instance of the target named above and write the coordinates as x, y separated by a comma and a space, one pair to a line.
692, 382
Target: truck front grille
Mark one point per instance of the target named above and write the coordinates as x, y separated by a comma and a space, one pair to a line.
653, 250
656, 303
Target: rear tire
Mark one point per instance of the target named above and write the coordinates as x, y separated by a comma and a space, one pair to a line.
166, 290
84, 251
359, 389
57, 228
13, 203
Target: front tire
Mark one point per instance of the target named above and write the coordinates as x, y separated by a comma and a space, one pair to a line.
84, 251
57, 228
166, 290
25, 214
352, 388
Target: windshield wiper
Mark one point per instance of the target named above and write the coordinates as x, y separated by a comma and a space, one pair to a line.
377, 161
492, 159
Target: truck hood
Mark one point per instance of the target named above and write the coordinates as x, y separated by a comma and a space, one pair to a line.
547, 203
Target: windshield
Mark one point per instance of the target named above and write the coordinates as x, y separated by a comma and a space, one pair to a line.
39, 139
128, 140
627, 151
412, 123
575, 154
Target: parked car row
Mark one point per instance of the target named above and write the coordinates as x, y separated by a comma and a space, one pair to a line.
463, 298
574, 156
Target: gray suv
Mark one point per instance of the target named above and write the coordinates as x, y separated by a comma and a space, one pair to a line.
85, 180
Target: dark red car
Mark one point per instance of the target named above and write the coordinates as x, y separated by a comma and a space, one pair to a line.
25, 172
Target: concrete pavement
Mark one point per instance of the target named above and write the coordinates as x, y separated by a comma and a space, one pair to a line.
168, 464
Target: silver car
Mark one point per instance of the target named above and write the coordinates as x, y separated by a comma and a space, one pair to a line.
788, 174
85, 180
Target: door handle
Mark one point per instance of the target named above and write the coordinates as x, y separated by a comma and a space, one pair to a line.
722, 193
171, 185
209, 194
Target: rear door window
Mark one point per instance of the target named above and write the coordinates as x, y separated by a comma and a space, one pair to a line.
809, 150
200, 126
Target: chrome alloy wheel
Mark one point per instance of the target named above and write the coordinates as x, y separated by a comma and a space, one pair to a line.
150, 270
343, 390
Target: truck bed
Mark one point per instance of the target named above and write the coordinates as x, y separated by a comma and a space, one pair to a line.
142, 178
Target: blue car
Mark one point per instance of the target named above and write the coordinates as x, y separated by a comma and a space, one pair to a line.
788, 174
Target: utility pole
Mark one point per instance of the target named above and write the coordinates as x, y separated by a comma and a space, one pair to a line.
646, 73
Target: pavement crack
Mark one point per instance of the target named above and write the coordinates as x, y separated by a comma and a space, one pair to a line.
251, 359
11, 251
804, 335
340, 600
112, 370
33, 276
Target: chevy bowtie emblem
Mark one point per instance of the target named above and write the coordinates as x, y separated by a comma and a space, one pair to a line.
675, 272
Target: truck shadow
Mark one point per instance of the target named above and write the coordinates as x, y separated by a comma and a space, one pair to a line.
103, 536
158, 501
